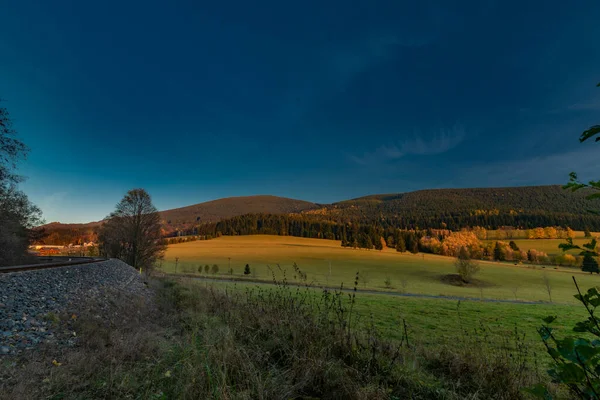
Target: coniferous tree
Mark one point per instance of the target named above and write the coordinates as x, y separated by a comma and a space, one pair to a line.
412, 243
368, 242
499, 254
378, 245
590, 264
400, 245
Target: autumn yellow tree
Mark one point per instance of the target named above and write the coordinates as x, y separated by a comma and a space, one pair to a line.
431, 244
550, 232
453, 243
480, 232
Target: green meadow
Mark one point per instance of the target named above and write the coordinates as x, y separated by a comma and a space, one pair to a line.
441, 322
326, 263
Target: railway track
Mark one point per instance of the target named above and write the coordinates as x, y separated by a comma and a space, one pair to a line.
51, 262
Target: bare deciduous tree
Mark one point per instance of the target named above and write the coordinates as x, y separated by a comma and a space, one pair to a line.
17, 214
132, 232
548, 285
365, 278
404, 284
514, 290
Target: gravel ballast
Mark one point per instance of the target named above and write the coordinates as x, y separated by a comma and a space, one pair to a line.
31, 301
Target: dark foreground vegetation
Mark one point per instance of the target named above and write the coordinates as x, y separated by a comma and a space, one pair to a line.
279, 343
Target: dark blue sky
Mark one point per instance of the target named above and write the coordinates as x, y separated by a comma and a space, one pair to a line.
322, 100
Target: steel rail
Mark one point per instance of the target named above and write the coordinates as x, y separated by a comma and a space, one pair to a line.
61, 262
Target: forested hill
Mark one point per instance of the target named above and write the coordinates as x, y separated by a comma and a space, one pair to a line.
526, 207
216, 210
532, 198
454, 209
520, 207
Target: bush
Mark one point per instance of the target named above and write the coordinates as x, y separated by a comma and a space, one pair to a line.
576, 359
589, 264
466, 267
247, 270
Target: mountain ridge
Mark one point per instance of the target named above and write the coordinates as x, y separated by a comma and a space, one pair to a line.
454, 208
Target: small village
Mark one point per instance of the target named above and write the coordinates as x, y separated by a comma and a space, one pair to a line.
89, 249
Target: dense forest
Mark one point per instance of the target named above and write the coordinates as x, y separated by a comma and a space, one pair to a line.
451, 209
491, 208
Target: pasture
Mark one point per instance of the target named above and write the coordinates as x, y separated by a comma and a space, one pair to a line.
436, 323
548, 246
325, 262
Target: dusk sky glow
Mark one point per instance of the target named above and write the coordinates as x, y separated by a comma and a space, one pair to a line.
320, 101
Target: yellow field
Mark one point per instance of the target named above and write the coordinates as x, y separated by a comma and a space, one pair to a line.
420, 274
494, 235
548, 246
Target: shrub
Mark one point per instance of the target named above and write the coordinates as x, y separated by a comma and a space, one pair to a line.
590, 264
466, 267
247, 270
576, 359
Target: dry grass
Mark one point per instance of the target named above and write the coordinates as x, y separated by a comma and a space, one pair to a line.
280, 343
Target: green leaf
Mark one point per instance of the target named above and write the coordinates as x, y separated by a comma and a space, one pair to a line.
585, 350
595, 301
538, 391
549, 319
571, 373
591, 245
553, 352
566, 347
593, 131
545, 333
581, 327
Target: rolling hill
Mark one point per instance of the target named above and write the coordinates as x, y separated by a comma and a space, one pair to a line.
525, 199
454, 209
185, 217
216, 210
491, 207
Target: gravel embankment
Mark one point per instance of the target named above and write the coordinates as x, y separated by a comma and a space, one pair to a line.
32, 301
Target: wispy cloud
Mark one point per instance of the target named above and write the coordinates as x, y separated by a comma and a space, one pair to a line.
585, 107
548, 169
420, 145
333, 68
345, 64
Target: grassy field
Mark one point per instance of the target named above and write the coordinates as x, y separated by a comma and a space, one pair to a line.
418, 274
442, 322
548, 246
494, 235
